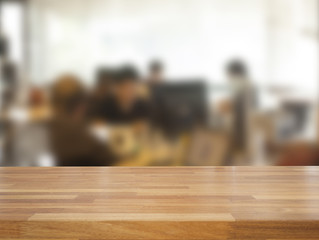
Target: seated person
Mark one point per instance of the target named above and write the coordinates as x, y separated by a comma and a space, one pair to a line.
38, 104
71, 142
103, 88
125, 106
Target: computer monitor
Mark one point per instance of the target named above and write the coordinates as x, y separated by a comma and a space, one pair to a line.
179, 106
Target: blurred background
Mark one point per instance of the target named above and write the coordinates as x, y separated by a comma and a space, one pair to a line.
159, 82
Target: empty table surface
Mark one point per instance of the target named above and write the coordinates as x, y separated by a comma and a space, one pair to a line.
159, 203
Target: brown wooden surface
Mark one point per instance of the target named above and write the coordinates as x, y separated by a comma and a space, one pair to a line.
231, 203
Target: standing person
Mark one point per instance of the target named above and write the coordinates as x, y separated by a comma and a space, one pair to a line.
8, 95
242, 103
8, 75
156, 72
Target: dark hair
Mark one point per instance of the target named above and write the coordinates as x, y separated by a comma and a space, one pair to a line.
155, 66
126, 73
104, 75
237, 67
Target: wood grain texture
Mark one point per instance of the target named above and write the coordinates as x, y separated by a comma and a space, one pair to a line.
266, 203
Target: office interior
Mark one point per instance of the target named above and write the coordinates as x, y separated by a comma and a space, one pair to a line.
159, 83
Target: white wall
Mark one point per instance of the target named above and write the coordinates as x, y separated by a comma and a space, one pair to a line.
277, 38
192, 37
293, 44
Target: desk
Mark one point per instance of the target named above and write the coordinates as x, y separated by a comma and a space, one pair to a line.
160, 203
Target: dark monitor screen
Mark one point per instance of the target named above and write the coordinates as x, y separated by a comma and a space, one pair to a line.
180, 105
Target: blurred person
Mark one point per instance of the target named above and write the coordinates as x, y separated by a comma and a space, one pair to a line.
156, 72
102, 90
72, 143
126, 106
125, 114
8, 75
242, 103
38, 104
8, 95
155, 77
36, 97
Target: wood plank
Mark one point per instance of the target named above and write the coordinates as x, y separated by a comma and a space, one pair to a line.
265, 203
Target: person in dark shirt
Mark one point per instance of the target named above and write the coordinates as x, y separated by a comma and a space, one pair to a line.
115, 113
125, 106
102, 89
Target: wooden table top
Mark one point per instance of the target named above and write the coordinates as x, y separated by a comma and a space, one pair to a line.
160, 203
